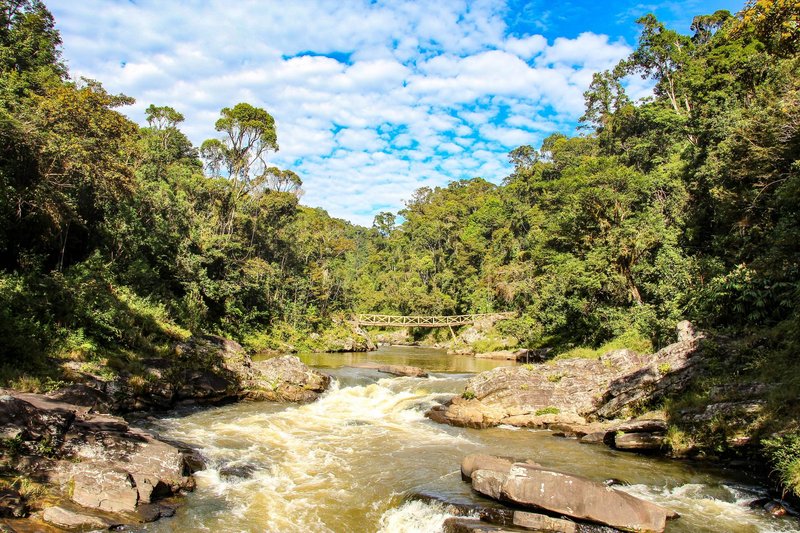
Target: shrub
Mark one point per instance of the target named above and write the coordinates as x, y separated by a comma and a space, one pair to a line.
783, 452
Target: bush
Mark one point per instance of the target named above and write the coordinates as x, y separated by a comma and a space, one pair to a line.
783, 452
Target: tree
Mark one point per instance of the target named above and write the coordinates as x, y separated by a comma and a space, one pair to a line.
660, 55
249, 136
283, 181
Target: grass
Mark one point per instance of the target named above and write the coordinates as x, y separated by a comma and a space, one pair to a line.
631, 340
783, 451
493, 342
551, 410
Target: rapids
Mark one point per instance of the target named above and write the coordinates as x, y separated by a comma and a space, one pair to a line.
346, 462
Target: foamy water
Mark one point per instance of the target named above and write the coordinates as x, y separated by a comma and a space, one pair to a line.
347, 462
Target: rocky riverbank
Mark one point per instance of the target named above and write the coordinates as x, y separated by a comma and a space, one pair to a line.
611, 399
69, 463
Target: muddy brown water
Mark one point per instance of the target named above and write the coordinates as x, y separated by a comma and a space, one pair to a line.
347, 462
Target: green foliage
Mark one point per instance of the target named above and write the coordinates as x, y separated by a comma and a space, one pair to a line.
783, 452
631, 340
551, 410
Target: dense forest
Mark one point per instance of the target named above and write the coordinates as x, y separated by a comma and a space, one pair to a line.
118, 239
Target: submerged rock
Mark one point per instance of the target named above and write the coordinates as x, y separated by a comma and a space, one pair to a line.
488, 511
395, 370
471, 525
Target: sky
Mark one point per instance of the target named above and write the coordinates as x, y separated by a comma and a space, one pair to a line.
371, 99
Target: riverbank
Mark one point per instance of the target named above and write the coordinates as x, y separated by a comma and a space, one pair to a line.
68, 463
362, 391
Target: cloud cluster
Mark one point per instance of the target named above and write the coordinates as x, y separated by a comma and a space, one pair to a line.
372, 99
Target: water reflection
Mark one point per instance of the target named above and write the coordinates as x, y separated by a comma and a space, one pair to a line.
430, 359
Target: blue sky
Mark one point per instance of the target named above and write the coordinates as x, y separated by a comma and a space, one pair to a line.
372, 99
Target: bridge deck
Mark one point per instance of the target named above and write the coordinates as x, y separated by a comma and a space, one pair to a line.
433, 321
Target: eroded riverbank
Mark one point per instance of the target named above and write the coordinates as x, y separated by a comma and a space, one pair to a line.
349, 461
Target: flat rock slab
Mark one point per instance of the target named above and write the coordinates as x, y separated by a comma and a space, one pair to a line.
539, 522
66, 519
638, 441
639, 425
571, 496
480, 461
97, 486
395, 370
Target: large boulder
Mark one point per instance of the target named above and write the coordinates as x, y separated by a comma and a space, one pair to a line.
573, 496
286, 379
573, 391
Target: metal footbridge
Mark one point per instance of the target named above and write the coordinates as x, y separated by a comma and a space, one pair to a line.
425, 321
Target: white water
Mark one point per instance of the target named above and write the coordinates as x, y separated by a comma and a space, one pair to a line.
346, 462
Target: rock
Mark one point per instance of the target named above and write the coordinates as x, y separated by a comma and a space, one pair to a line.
467, 412
668, 371
287, 379
471, 525
99, 461
97, 486
599, 437
685, 331
66, 519
578, 431
568, 388
91, 396
572, 496
237, 471
775, 508
396, 370
28, 418
480, 461
12, 504
488, 511
489, 482
642, 425
639, 441
539, 522
506, 355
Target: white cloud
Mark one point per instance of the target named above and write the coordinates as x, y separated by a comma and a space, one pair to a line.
365, 93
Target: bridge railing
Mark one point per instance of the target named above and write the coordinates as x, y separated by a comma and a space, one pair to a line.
426, 321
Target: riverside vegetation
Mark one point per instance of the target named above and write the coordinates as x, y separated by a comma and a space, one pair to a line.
120, 242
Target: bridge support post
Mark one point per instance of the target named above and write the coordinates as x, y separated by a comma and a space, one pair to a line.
453, 333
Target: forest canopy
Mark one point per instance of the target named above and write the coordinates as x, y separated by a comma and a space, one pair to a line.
121, 238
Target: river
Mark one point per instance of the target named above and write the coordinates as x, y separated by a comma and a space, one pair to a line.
347, 462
